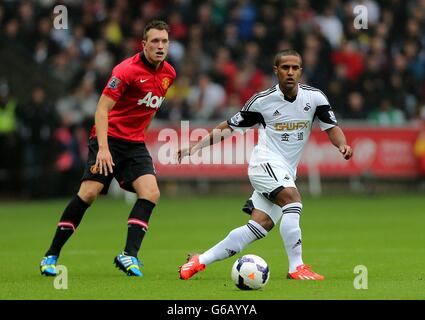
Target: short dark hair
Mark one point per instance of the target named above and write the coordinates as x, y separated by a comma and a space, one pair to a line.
286, 52
155, 24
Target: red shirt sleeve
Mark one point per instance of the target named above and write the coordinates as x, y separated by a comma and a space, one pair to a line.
117, 83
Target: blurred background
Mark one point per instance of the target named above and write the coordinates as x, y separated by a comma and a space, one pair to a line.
374, 77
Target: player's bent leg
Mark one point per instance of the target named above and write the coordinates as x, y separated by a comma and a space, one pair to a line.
290, 201
262, 219
147, 191
68, 223
146, 187
234, 243
191, 267
89, 190
287, 195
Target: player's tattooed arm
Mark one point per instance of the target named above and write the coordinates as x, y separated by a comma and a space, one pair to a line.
337, 137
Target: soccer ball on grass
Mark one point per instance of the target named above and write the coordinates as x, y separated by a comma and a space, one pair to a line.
250, 272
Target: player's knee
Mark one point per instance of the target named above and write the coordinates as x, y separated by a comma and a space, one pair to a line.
262, 219
151, 194
267, 224
88, 195
287, 195
89, 190
155, 195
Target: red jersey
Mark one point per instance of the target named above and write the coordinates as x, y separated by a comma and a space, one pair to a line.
139, 90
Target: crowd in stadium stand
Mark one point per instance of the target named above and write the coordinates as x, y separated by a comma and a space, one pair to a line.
223, 53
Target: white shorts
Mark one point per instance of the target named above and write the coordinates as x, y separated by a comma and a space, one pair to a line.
260, 202
266, 179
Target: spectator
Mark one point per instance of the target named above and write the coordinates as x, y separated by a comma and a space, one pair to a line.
355, 109
416, 64
102, 59
8, 123
178, 28
206, 99
225, 68
244, 16
330, 26
350, 58
314, 73
44, 47
36, 124
77, 109
337, 94
113, 32
372, 83
387, 114
84, 44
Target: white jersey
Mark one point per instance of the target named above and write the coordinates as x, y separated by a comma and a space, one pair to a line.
285, 125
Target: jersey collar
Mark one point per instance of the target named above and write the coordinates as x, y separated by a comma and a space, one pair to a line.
148, 64
286, 98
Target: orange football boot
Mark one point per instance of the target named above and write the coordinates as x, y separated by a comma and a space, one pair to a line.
191, 267
304, 273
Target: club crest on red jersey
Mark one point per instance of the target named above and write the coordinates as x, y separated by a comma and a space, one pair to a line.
165, 83
94, 169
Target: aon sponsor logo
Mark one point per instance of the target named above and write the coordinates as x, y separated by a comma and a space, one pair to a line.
151, 101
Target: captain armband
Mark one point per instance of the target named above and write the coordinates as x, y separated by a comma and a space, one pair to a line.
325, 114
246, 119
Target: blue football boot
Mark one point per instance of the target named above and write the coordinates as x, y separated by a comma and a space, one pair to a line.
128, 264
48, 266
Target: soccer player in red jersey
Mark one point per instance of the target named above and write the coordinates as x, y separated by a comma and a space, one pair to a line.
135, 91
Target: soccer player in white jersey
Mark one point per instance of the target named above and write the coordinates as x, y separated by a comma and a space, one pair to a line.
284, 114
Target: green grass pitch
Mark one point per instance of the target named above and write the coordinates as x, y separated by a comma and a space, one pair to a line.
384, 234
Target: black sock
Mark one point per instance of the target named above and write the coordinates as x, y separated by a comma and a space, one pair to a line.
69, 221
138, 225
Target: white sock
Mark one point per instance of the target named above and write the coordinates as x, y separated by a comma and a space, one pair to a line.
235, 242
291, 234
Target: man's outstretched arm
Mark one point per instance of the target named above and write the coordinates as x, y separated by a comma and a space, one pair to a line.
337, 137
218, 134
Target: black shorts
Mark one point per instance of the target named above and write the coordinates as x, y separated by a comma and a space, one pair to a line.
131, 159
